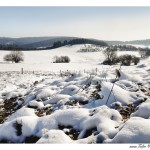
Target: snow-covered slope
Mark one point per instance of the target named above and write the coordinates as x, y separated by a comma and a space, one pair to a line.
41, 107
80, 104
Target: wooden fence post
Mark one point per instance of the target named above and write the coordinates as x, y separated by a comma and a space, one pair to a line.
21, 70
60, 73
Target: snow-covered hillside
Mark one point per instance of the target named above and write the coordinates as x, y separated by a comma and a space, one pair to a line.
74, 106
42, 60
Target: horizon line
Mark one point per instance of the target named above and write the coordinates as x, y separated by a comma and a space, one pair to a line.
73, 37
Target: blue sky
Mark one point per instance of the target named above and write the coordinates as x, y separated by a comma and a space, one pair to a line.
105, 23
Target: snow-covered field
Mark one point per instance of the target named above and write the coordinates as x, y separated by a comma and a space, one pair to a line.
81, 105
42, 60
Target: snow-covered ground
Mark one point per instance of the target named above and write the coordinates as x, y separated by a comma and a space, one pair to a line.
75, 106
42, 60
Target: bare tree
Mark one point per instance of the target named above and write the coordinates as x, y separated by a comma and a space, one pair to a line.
111, 55
14, 56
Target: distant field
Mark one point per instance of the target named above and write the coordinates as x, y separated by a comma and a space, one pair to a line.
42, 60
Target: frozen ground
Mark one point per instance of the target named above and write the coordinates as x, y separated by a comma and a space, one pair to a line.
73, 107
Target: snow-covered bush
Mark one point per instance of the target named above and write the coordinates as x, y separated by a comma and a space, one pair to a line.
112, 59
128, 59
135, 60
14, 56
61, 59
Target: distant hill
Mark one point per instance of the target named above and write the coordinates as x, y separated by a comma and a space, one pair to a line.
29, 40
22, 41
137, 42
35, 43
45, 42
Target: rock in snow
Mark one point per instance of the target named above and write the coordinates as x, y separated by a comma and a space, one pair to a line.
142, 111
20, 113
54, 137
135, 130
